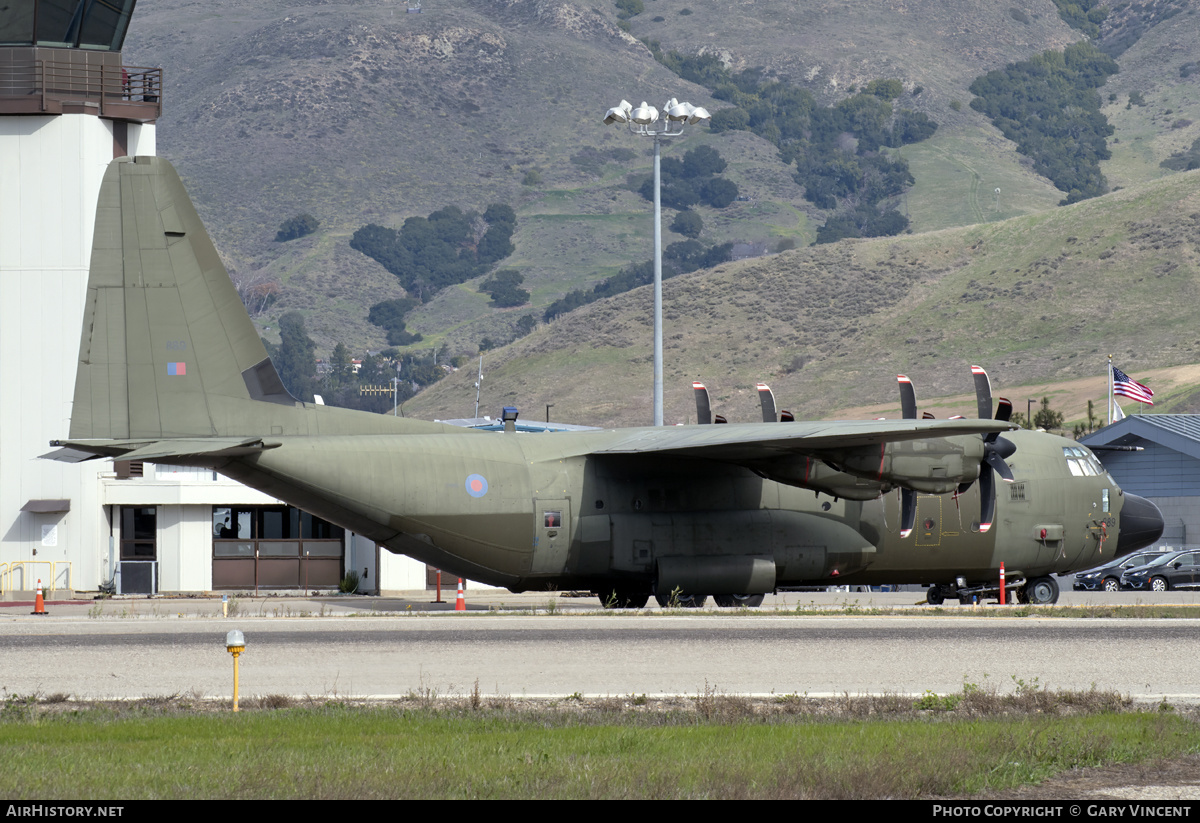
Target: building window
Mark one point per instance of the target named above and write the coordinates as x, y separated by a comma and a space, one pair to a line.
274, 547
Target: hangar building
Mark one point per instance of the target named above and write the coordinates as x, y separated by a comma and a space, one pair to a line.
1166, 470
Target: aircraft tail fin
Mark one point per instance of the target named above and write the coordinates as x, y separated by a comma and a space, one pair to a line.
167, 347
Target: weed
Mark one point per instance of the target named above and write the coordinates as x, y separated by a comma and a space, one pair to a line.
349, 583
16, 707
930, 701
1024, 688
96, 611
476, 702
274, 701
712, 704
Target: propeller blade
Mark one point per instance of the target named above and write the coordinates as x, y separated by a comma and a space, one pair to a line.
720, 418
1004, 409
786, 416
987, 500
766, 399
983, 392
998, 465
908, 398
908, 511
703, 410
927, 416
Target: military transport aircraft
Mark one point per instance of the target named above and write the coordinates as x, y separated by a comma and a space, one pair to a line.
171, 370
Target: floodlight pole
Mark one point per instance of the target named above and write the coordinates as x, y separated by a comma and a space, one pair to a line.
658, 331
676, 115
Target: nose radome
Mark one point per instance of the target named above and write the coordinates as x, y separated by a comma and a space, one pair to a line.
1141, 524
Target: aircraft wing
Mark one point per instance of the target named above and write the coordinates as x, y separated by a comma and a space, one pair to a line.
752, 442
847, 458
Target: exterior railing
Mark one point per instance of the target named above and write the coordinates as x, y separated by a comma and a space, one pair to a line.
57, 87
29, 581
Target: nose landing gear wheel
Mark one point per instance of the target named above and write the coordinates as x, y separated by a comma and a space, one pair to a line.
1042, 591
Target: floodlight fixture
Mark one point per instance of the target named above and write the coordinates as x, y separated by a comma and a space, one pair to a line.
618, 113
644, 114
645, 122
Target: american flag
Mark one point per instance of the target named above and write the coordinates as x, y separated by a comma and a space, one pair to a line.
1125, 385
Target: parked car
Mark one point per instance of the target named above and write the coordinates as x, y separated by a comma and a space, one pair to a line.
1174, 570
1108, 577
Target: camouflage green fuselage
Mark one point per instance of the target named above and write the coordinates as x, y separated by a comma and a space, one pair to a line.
542, 511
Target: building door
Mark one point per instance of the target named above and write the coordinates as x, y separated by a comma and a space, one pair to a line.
139, 550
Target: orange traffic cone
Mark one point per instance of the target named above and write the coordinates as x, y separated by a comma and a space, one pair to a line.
39, 605
460, 605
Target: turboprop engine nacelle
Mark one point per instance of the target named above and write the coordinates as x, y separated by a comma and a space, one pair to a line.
934, 466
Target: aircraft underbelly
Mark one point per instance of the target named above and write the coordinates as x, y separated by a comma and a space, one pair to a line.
801, 545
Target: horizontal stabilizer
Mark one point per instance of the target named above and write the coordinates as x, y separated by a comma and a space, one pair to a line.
200, 450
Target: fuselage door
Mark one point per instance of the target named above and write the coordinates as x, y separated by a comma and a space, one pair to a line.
553, 531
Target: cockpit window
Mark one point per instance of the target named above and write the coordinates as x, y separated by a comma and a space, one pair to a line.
1082, 462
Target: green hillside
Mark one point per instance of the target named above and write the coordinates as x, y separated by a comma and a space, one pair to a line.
1034, 299
356, 113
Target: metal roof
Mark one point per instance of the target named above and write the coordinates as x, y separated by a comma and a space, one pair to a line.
1180, 432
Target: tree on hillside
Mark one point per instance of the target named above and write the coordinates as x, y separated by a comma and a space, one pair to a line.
298, 226
297, 362
687, 223
505, 288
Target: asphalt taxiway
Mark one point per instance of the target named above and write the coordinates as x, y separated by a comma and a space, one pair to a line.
553, 645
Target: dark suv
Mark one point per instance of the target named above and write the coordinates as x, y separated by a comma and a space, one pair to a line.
1174, 570
1108, 577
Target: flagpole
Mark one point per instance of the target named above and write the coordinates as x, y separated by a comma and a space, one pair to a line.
1111, 398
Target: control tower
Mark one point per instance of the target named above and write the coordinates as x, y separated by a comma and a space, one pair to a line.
68, 106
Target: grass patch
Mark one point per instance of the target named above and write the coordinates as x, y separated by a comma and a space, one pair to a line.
613, 747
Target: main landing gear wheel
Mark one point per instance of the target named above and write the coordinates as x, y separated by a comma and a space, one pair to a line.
1042, 591
1111, 584
683, 601
618, 599
733, 601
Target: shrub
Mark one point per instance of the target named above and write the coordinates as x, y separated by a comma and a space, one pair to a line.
629, 8
687, 223
295, 227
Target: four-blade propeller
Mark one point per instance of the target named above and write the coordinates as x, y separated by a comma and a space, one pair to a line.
995, 451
